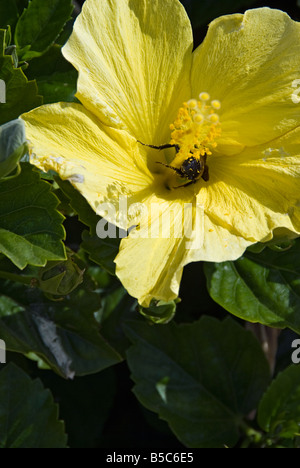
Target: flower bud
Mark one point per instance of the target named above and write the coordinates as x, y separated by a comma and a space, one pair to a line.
60, 278
160, 312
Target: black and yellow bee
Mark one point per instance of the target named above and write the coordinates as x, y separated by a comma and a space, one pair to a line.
192, 169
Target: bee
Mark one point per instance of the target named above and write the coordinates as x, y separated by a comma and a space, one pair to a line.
192, 169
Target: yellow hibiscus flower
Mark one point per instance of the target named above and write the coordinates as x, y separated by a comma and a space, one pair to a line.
227, 115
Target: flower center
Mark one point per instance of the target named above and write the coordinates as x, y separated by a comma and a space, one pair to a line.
195, 129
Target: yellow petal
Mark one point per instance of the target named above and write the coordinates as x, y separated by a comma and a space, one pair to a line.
256, 192
103, 164
150, 268
134, 61
220, 244
151, 261
250, 63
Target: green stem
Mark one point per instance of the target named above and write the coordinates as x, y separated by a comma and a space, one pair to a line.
17, 278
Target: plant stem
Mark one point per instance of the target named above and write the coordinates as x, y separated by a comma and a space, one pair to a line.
17, 278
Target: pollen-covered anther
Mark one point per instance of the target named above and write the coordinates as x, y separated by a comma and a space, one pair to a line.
198, 118
204, 97
216, 104
197, 126
192, 103
214, 118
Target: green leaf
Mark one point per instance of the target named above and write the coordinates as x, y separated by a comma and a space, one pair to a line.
64, 334
262, 288
85, 405
101, 251
10, 11
31, 230
204, 11
13, 146
202, 378
21, 95
79, 204
117, 309
279, 409
58, 87
55, 76
28, 415
39, 25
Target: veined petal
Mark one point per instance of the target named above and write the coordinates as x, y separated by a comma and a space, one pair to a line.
102, 164
257, 192
150, 268
219, 243
151, 261
134, 61
250, 63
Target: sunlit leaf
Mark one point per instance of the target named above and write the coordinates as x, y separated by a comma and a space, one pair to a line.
262, 287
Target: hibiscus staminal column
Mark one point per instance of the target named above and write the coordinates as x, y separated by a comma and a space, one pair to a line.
193, 135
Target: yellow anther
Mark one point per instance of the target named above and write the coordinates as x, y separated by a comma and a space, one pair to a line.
192, 103
198, 118
204, 97
196, 128
216, 104
214, 118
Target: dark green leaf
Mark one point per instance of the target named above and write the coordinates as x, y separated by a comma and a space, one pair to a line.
279, 410
21, 95
28, 415
79, 204
117, 308
58, 87
202, 378
31, 230
85, 405
262, 288
64, 334
68, 29
56, 78
201, 12
8, 13
100, 251
39, 26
